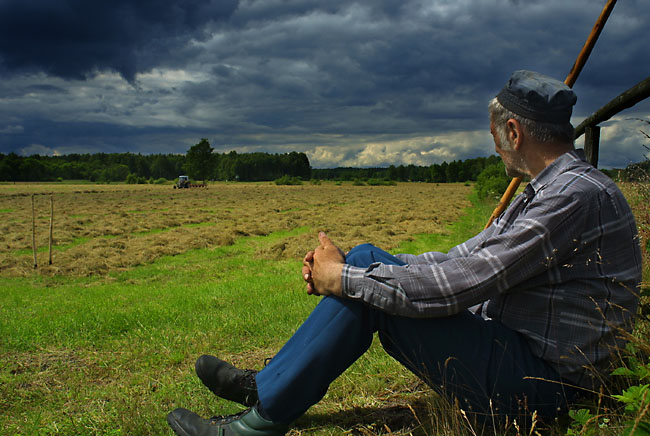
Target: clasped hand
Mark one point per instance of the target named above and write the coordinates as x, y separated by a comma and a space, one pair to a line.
322, 268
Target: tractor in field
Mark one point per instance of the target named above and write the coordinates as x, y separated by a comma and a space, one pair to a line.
184, 182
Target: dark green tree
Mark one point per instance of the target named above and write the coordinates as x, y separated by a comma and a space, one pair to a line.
452, 171
200, 161
10, 167
161, 167
114, 173
439, 173
32, 169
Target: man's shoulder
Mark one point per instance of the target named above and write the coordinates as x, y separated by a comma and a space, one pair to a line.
587, 187
577, 175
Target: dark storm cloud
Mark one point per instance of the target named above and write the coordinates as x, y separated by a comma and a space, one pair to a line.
76, 38
410, 65
363, 82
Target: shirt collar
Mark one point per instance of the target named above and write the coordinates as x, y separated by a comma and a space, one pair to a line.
558, 166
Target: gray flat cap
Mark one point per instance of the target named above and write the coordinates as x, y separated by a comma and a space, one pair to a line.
538, 97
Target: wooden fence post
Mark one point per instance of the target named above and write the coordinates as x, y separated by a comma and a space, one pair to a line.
51, 224
592, 142
34, 233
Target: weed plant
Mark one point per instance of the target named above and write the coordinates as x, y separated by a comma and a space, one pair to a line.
624, 407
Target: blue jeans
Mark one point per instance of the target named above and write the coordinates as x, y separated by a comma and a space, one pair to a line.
463, 356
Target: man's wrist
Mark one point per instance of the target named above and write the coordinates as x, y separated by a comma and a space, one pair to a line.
348, 275
338, 283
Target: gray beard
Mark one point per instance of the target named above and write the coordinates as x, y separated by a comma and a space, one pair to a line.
517, 168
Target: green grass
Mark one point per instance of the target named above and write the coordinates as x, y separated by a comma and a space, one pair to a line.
97, 356
467, 226
114, 355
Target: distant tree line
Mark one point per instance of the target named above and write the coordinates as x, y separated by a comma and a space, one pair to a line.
120, 167
455, 171
202, 163
98, 167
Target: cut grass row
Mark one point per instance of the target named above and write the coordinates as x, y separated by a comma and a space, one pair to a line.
82, 240
178, 221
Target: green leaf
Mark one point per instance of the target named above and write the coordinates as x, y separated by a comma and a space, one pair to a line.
581, 415
623, 371
642, 429
635, 369
633, 397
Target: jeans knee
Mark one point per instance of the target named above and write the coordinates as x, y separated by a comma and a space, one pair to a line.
361, 248
361, 255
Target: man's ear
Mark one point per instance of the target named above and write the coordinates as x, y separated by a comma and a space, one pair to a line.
515, 133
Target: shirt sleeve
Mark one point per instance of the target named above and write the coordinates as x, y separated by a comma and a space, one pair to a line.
430, 257
495, 261
437, 257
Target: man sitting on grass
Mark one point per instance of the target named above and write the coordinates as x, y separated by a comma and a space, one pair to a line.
517, 319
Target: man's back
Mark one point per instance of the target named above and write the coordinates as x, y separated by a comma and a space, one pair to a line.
572, 300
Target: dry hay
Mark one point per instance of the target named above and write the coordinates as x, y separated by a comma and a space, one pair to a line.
104, 228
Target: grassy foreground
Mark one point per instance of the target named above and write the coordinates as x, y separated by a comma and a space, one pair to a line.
113, 355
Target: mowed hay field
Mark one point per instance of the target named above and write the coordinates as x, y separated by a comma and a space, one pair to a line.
101, 229
146, 278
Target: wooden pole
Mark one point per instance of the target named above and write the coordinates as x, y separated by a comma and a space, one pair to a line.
626, 99
569, 81
581, 60
34, 233
505, 199
51, 225
592, 140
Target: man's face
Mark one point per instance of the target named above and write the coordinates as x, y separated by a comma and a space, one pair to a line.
515, 165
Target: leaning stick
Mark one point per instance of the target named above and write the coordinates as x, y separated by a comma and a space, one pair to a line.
569, 81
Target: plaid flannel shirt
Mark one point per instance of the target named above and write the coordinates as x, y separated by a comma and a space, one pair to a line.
561, 266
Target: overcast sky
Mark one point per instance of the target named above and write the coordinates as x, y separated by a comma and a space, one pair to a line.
350, 83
